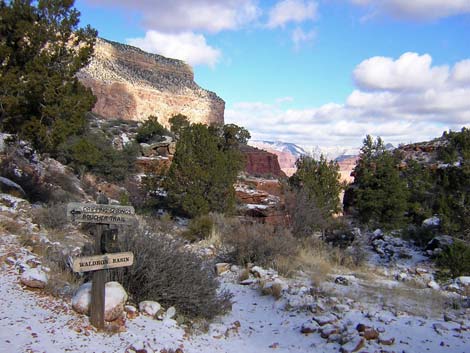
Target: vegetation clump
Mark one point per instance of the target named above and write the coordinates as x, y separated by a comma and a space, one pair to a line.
316, 188
165, 272
41, 50
203, 171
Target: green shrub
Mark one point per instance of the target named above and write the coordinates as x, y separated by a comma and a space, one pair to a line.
151, 129
163, 271
94, 153
455, 259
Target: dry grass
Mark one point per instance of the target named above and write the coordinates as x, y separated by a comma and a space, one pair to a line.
12, 227
408, 297
62, 281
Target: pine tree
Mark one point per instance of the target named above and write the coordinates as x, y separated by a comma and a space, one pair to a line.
380, 193
202, 174
317, 186
41, 50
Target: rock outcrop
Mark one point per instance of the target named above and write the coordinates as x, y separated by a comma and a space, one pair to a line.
261, 163
131, 84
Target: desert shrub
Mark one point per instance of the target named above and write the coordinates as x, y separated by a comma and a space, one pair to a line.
53, 216
455, 259
199, 228
257, 243
163, 271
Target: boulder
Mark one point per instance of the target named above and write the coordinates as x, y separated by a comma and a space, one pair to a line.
115, 298
440, 241
82, 298
432, 222
7, 186
34, 278
463, 281
149, 307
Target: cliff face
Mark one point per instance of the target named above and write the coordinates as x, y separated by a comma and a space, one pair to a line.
131, 84
261, 163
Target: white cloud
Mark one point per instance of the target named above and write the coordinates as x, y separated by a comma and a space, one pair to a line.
186, 46
416, 9
299, 36
189, 15
296, 11
461, 72
410, 72
403, 100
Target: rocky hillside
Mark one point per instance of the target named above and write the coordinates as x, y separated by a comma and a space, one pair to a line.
131, 84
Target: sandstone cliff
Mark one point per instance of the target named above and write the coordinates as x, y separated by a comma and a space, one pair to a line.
131, 84
261, 163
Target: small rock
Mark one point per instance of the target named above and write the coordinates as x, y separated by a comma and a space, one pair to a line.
387, 341
170, 313
221, 268
353, 346
131, 311
328, 330
433, 285
342, 280
149, 307
309, 327
34, 278
362, 327
370, 334
325, 319
439, 328
258, 271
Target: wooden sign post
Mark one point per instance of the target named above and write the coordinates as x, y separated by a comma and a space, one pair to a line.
102, 215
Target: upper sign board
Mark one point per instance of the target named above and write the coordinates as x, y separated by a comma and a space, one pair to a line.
96, 213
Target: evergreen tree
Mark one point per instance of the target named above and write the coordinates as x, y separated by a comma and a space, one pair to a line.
41, 50
178, 122
380, 193
202, 173
317, 186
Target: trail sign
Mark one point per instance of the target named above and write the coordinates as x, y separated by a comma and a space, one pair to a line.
98, 213
102, 215
102, 262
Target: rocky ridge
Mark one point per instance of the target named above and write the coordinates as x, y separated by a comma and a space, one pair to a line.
131, 84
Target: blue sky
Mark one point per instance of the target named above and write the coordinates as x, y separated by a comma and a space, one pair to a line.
323, 72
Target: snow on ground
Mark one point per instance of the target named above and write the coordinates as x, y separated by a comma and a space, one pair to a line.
31, 321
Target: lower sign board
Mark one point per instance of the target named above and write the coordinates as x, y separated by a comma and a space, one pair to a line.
95, 213
103, 262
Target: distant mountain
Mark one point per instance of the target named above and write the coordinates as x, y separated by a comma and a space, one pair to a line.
280, 146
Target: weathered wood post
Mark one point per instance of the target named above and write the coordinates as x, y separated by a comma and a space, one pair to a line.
102, 215
98, 280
